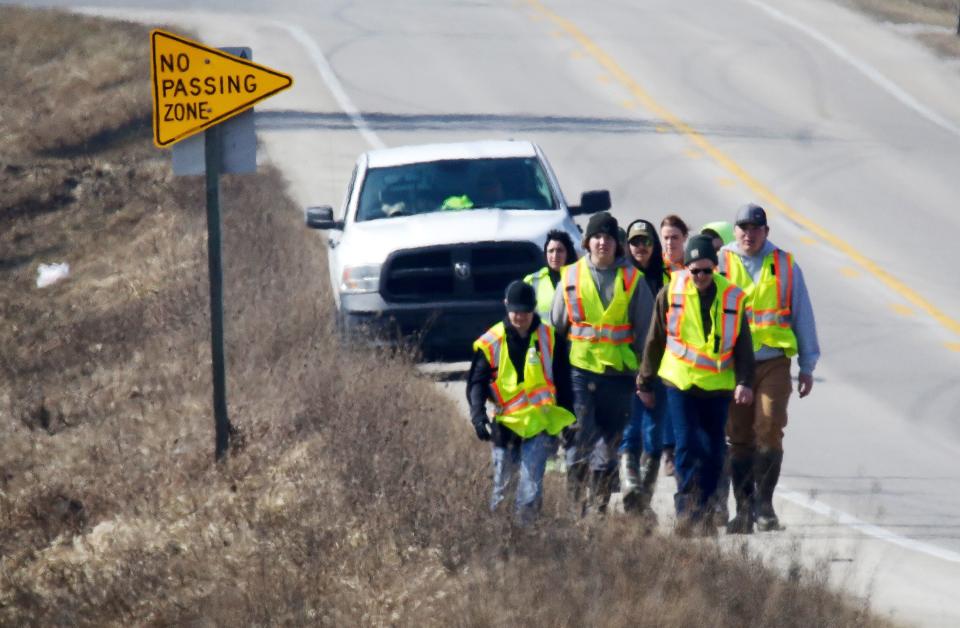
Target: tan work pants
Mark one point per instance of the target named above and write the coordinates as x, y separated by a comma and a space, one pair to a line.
760, 426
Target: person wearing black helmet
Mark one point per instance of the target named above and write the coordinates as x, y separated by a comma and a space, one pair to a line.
514, 366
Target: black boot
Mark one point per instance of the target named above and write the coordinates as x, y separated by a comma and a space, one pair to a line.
649, 469
577, 486
719, 512
601, 483
767, 470
741, 474
630, 482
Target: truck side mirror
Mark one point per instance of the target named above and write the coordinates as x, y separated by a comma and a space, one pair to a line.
321, 217
592, 202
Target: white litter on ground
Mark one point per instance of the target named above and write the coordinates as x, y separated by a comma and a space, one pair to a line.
49, 274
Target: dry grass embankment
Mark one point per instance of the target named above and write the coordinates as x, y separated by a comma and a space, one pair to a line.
358, 496
940, 15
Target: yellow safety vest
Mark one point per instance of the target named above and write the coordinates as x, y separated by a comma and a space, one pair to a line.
668, 268
529, 407
768, 300
545, 290
690, 359
599, 339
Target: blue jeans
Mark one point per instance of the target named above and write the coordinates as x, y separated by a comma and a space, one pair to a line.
698, 423
648, 430
602, 406
529, 456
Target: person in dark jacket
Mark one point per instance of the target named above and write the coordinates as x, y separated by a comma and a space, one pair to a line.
643, 439
522, 367
700, 346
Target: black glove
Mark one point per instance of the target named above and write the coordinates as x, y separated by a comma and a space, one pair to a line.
482, 426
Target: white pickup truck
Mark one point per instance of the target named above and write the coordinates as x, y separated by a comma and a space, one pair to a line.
429, 237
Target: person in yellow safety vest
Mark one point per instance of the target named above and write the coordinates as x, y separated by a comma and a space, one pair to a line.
558, 250
673, 235
721, 231
700, 347
519, 364
603, 306
782, 326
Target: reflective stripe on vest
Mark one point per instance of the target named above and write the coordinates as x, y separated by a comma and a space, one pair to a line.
600, 338
690, 359
529, 407
768, 310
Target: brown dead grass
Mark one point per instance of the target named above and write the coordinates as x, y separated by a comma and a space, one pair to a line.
357, 496
938, 13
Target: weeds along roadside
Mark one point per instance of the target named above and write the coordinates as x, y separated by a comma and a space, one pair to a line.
358, 497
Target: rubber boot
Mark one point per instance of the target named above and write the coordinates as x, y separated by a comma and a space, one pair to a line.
719, 512
741, 473
767, 470
649, 469
600, 489
577, 486
629, 482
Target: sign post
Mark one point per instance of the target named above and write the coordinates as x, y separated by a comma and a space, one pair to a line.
195, 88
222, 427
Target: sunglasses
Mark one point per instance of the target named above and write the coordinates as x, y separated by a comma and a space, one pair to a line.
701, 271
641, 241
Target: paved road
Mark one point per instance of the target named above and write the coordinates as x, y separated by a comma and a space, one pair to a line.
846, 130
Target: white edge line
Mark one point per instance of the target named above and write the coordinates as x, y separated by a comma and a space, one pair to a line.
818, 507
868, 529
333, 83
870, 72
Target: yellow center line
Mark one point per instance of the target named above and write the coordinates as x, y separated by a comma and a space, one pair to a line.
763, 193
848, 271
903, 310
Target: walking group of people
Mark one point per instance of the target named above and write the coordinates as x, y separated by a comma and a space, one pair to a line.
656, 346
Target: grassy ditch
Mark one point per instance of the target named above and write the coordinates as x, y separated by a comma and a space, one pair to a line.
357, 496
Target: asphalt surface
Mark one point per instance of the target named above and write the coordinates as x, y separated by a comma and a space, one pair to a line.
845, 129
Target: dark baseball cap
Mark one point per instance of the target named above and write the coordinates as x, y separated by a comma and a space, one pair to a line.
520, 297
751, 215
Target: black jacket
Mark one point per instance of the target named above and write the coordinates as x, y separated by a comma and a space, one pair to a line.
480, 375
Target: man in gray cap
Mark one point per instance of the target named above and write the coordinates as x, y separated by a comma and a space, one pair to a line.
515, 365
603, 307
700, 347
782, 326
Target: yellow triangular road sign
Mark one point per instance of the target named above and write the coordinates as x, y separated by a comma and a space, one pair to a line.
195, 87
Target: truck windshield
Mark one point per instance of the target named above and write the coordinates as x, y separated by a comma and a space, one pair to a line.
454, 185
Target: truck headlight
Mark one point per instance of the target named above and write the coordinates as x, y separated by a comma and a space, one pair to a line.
357, 279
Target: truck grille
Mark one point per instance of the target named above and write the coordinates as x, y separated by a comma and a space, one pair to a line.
467, 272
